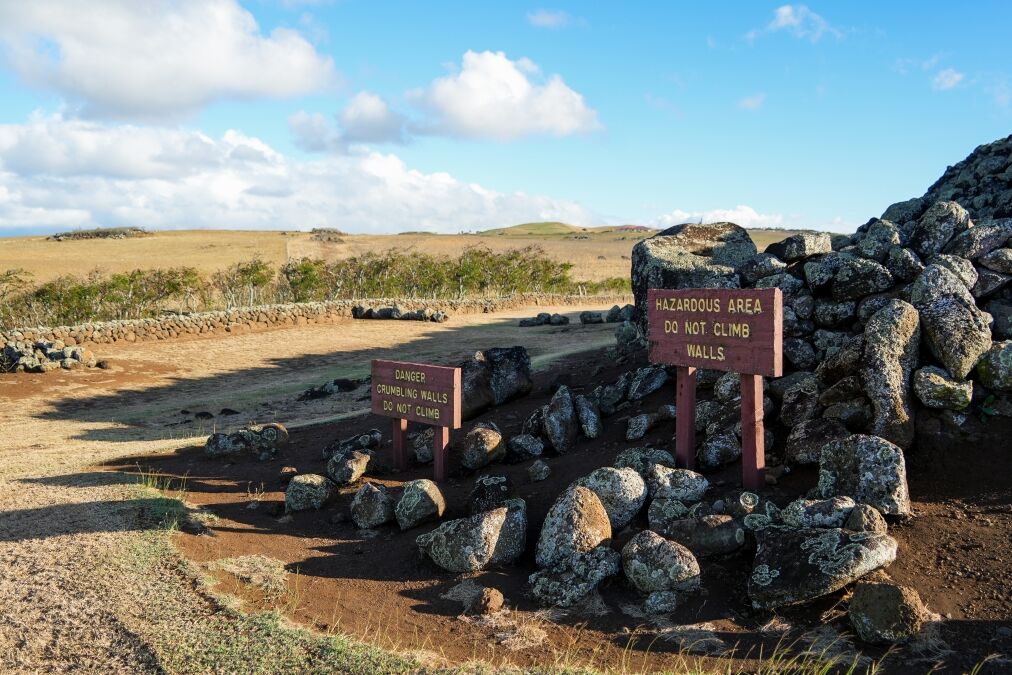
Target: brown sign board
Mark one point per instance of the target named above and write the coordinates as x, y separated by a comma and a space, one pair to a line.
417, 392
730, 329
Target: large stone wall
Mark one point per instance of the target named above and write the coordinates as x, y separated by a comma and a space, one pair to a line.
248, 319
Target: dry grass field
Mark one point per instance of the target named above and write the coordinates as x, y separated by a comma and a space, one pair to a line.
596, 253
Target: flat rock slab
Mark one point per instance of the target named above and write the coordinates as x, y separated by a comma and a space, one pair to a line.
793, 566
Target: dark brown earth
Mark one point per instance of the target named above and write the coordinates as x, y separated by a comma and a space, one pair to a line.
956, 551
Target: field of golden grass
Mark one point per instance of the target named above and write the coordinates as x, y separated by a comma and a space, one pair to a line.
596, 255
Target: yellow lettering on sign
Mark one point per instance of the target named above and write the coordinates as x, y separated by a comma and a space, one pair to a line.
409, 375
708, 352
745, 306
736, 330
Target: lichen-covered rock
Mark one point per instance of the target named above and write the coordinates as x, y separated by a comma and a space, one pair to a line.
569, 581
995, 368
855, 413
259, 440
807, 513
937, 226
370, 440
538, 471
878, 237
576, 523
804, 444
479, 541
646, 381
937, 389
846, 389
788, 283
801, 246
999, 260
560, 425
345, 469
489, 492
708, 535
800, 353
493, 377
420, 502
869, 469
690, 256
866, 518
589, 415
642, 460
845, 361
372, 506
663, 510
831, 314
727, 387
682, 484
718, 450
638, 426
308, 491
955, 330
759, 266
622, 493
903, 263
980, 240
961, 268
858, 277
793, 566
800, 401
892, 341
483, 445
885, 613
989, 282
652, 563
523, 447
421, 444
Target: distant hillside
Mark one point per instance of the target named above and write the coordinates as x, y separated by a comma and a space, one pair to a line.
563, 229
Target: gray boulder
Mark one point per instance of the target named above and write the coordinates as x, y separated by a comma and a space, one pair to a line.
642, 460
793, 566
258, 440
576, 523
956, 332
690, 256
653, 563
980, 240
877, 239
995, 368
558, 320
759, 266
989, 282
646, 381
483, 445
800, 401
475, 543
489, 492
561, 425
538, 471
346, 468
886, 613
903, 263
589, 415
807, 513
493, 377
718, 450
368, 441
663, 510
622, 493
308, 491
937, 226
961, 268
866, 518
523, 447
372, 506
892, 341
800, 353
572, 579
869, 469
709, 535
591, 317
999, 260
937, 389
682, 484
804, 444
832, 314
858, 277
421, 444
420, 502
801, 246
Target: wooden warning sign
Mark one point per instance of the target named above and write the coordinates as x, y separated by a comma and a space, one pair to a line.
422, 393
734, 330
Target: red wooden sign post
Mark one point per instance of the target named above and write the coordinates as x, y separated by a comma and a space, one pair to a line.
420, 393
734, 330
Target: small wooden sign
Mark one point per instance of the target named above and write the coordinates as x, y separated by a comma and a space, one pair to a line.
734, 330
418, 392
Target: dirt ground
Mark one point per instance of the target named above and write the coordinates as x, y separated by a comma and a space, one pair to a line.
69, 440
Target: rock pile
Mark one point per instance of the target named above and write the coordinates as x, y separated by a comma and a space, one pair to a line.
616, 314
258, 440
395, 313
493, 377
42, 356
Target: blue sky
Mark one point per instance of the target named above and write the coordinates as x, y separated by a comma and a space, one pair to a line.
452, 116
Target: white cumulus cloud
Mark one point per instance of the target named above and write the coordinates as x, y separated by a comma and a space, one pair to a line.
946, 79
368, 118
158, 59
57, 173
799, 21
743, 215
546, 18
492, 96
